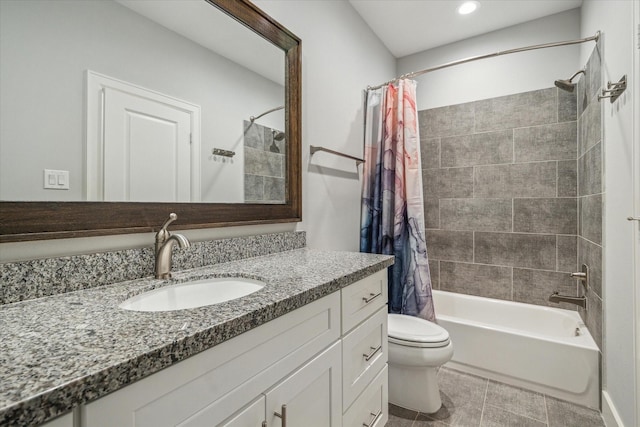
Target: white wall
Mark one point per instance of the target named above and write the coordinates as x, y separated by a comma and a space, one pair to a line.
503, 75
43, 62
616, 21
341, 56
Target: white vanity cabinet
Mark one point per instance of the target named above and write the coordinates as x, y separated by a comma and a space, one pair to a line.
294, 366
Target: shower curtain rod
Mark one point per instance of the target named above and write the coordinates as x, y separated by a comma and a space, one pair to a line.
252, 119
595, 38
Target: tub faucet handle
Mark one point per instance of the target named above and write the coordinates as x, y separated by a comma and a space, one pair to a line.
582, 276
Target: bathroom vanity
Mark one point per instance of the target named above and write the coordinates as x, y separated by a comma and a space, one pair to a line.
308, 349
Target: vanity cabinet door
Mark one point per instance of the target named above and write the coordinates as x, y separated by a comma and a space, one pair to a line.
311, 396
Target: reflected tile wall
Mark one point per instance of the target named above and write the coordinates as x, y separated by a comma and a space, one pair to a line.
264, 164
501, 195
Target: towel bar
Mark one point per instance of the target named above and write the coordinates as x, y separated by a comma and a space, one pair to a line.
314, 149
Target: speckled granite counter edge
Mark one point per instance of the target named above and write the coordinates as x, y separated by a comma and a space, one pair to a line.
62, 398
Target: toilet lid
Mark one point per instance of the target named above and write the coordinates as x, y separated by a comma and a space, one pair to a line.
416, 332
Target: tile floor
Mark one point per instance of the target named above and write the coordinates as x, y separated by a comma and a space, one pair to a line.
469, 400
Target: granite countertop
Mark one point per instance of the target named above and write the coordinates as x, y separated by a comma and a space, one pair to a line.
72, 348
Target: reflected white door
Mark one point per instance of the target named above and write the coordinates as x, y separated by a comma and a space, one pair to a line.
147, 153
142, 145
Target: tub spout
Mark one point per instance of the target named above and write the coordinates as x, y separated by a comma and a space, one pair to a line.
579, 301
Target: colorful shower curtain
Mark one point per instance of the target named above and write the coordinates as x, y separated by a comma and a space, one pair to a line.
392, 217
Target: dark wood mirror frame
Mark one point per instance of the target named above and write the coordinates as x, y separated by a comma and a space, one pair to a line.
24, 221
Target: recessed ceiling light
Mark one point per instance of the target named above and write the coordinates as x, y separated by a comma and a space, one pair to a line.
468, 7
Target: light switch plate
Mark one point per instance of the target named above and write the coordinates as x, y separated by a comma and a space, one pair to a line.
56, 179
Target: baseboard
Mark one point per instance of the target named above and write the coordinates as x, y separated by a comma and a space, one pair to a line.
609, 412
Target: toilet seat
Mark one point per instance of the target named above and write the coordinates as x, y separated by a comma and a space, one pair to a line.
413, 331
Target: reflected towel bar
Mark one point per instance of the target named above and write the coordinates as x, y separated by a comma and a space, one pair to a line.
221, 152
314, 148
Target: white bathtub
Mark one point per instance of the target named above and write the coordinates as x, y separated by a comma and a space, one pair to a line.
523, 345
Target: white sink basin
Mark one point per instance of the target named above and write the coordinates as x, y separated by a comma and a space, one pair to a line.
193, 294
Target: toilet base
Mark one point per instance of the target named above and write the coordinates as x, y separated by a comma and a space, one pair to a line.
414, 388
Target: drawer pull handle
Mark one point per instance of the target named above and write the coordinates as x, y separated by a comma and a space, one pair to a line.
372, 296
375, 418
373, 351
283, 415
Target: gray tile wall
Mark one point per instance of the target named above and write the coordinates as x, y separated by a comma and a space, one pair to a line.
501, 195
590, 189
513, 194
264, 165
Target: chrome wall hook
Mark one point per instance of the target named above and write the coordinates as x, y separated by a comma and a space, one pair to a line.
614, 90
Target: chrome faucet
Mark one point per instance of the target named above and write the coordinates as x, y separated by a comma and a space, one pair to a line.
164, 245
583, 277
579, 301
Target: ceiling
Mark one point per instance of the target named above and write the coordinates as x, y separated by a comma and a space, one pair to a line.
409, 26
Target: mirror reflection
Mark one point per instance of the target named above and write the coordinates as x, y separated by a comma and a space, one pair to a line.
147, 101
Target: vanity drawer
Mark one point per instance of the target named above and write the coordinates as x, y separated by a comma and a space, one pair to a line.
363, 298
371, 407
364, 354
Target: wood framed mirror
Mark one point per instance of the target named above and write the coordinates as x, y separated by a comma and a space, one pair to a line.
39, 220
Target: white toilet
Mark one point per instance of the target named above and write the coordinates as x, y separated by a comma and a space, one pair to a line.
417, 348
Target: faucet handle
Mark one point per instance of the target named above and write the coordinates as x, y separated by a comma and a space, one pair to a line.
172, 217
163, 234
582, 276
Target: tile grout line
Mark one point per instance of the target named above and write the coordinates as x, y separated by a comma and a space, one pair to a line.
557, 105
513, 214
500, 265
557, 178
415, 419
484, 401
557, 254
512, 285
546, 411
530, 162
513, 146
